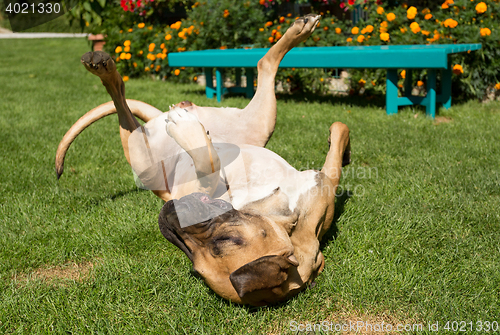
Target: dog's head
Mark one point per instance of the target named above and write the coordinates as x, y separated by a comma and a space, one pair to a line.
242, 255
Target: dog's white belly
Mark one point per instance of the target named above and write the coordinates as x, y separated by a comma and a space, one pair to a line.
248, 173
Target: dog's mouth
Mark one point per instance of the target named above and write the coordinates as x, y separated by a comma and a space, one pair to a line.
195, 208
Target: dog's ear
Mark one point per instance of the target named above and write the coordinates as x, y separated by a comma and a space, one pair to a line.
265, 273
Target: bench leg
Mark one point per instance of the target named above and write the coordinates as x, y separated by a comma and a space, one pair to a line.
430, 109
446, 87
249, 74
209, 88
219, 80
391, 96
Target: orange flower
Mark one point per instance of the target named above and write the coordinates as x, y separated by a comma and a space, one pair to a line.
123, 55
176, 25
415, 28
420, 83
325, 28
177, 72
338, 30
384, 37
355, 31
130, 30
125, 78
411, 13
425, 32
403, 30
128, 56
369, 28
152, 47
158, 68
162, 46
126, 49
182, 34
403, 74
481, 8
269, 23
380, 10
282, 19
262, 2
141, 52
485, 32
118, 49
226, 13
497, 86
450, 23
141, 25
361, 38
261, 29
391, 17
271, 39
126, 43
274, 32
146, 69
134, 64
278, 35
428, 16
349, 40
362, 82
457, 69
168, 37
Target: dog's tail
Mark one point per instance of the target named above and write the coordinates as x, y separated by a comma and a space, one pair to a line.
140, 109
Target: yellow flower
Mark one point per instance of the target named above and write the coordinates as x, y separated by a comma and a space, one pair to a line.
261, 29
457, 69
450, 23
152, 47
126, 49
118, 49
420, 83
485, 32
226, 13
362, 82
126, 43
141, 25
391, 17
361, 38
384, 37
355, 31
369, 28
349, 40
168, 37
481, 8
125, 78
123, 55
383, 24
146, 69
141, 52
497, 86
150, 27
182, 34
403, 74
151, 57
128, 56
411, 13
177, 72
415, 28
380, 10
338, 30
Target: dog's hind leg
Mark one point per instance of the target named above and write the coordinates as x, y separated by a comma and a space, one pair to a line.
101, 64
260, 113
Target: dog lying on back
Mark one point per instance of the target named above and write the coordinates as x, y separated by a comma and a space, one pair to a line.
250, 223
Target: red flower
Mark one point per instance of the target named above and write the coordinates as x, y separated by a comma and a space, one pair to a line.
351, 2
342, 4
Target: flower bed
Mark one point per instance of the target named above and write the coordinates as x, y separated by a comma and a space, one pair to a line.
142, 48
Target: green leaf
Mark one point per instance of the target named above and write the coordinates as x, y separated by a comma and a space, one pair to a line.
102, 3
87, 6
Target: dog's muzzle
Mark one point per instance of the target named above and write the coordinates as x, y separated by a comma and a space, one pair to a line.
195, 208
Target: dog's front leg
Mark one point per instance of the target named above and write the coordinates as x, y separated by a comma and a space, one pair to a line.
189, 133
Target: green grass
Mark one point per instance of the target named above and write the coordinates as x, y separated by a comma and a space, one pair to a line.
417, 240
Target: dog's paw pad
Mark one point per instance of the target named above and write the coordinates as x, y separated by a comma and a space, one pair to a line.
98, 63
303, 27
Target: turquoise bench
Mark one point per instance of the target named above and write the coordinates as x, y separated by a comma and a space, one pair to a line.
433, 58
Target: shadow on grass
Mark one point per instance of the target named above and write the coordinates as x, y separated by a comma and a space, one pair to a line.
332, 233
95, 202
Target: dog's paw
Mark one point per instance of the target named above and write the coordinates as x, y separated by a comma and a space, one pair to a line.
99, 63
186, 129
302, 28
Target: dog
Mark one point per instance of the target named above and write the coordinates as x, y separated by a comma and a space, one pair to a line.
249, 222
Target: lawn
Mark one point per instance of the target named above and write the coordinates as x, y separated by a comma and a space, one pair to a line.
416, 237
